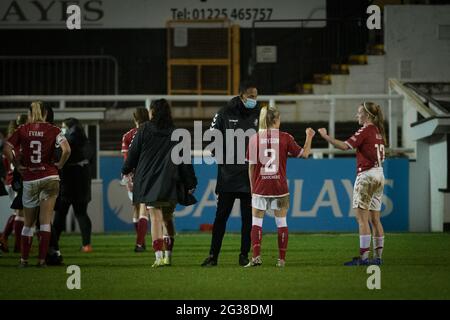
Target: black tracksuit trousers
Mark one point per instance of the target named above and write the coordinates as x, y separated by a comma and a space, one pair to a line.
225, 204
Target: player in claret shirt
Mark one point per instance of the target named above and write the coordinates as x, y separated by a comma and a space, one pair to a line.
140, 213
369, 142
267, 155
15, 221
37, 141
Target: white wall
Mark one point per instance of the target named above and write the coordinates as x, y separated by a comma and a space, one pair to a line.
438, 180
419, 190
410, 115
411, 33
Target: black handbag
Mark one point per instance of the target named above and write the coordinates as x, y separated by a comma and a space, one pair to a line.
184, 197
17, 183
186, 181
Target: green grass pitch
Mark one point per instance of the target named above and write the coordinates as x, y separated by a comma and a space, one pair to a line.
417, 266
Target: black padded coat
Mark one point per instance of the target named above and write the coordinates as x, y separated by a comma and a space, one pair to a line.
156, 177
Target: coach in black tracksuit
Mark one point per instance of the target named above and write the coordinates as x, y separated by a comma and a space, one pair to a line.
241, 112
75, 185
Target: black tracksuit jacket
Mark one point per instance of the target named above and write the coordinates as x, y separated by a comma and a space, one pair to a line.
234, 177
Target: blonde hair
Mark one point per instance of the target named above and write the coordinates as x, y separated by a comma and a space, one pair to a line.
375, 113
268, 116
12, 126
21, 119
37, 111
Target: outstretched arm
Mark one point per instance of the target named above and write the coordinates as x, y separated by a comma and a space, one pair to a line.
335, 142
307, 146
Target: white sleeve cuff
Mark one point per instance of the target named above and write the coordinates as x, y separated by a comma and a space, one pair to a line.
9, 144
347, 143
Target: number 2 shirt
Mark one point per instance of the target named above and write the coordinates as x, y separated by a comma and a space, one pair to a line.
37, 143
269, 150
369, 145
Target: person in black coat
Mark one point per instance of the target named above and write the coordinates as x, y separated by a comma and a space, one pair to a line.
158, 182
241, 112
75, 186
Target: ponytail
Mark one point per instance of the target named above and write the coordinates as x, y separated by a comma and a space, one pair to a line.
37, 111
267, 116
262, 118
376, 114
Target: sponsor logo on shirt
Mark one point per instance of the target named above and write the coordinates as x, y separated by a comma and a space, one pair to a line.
270, 140
271, 177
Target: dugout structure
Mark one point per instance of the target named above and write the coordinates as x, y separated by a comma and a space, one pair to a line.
202, 57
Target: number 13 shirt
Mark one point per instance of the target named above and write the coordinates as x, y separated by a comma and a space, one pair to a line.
37, 143
369, 146
269, 150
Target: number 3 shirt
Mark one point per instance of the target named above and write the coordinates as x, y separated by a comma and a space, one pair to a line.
269, 150
369, 145
37, 143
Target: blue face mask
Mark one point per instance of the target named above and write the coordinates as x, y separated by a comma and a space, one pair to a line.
250, 103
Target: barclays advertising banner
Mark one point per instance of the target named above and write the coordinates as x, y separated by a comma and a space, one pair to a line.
320, 197
142, 14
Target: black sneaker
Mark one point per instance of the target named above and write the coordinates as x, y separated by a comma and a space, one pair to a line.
41, 265
209, 262
54, 260
23, 264
243, 260
139, 248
